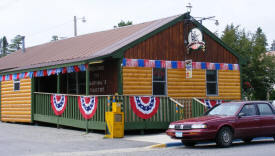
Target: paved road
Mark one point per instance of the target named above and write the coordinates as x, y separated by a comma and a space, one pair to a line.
18, 139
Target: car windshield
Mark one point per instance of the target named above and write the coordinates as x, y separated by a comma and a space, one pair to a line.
226, 109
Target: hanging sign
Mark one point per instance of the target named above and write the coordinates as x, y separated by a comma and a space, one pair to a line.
144, 106
188, 68
87, 106
58, 102
195, 40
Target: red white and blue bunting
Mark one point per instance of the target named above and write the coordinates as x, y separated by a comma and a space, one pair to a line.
87, 106
144, 106
46, 72
211, 103
59, 103
177, 64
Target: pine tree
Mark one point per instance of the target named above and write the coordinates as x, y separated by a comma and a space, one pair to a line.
258, 74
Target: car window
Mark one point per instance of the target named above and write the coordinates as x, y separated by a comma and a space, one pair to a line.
249, 110
227, 109
265, 109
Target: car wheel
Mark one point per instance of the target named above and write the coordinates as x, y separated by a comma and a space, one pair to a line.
247, 140
188, 143
224, 137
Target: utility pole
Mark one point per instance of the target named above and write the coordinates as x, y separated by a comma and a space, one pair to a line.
75, 24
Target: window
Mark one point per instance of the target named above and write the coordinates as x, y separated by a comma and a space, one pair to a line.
264, 109
211, 82
16, 85
249, 110
159, 81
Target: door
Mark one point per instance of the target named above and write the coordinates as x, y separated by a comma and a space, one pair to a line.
267, 119
248, 124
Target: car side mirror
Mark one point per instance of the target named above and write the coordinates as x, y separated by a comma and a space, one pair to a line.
241, 115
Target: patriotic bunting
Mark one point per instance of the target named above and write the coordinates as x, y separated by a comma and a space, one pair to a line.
211, 103
144, 106
87, 106
59, 103
46, 72
177, 64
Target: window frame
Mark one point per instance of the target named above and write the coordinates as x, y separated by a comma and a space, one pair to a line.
17, 81
272, 110
217, 83
256, 109
165, 82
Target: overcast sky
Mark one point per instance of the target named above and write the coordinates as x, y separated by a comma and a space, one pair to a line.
39, 20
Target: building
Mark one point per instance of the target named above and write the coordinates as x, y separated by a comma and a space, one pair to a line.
174, 57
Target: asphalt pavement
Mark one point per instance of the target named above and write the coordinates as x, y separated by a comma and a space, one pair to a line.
26, 139
39, 140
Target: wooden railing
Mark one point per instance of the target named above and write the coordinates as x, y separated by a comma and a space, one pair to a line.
71, 116
169, 110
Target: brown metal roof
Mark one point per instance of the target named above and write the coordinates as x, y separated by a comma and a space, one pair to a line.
79, 48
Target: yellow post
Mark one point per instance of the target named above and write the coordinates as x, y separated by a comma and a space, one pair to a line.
115, 121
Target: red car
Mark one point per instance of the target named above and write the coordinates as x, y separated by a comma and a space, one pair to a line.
225, 122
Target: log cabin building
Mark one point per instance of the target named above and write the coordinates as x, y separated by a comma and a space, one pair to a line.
174, 57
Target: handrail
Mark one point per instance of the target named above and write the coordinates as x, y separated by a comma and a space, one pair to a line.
70, 94
176, 102
200, 102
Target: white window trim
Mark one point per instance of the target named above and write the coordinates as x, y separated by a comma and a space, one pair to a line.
217, 84
165, 86
14, 82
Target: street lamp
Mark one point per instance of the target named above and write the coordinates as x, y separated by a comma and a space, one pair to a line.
200, 19
75, 23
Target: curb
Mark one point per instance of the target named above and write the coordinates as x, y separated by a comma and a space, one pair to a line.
174, 144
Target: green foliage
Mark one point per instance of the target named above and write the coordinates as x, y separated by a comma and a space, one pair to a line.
16, 43
123, 23
4, 46
258, 74
55, 38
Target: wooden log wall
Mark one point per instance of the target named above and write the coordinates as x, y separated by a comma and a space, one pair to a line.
16, 105
229, 84
137, 81
179, 86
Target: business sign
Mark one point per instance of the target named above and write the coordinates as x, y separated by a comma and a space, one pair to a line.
188, 68
195, 40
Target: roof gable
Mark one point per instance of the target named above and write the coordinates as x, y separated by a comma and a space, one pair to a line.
86, 47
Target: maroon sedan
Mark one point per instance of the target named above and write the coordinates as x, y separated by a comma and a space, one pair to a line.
225, 122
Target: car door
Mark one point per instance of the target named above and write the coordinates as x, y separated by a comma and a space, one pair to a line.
267, 119
248, 124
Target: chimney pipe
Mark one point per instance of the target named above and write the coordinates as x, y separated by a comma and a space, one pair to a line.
23, 44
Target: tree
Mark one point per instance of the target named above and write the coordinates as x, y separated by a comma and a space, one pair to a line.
55, 38
16, 43
3, 46
258, 74
123, 23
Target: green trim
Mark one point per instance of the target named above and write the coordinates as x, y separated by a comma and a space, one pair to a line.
119, 53
87, 81
44, 68
120, 76
58, 83
32, 98
215, 38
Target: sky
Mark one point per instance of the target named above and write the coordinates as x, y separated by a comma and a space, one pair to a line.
39, 20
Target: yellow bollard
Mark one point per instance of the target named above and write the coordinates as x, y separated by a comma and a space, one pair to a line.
115, 121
